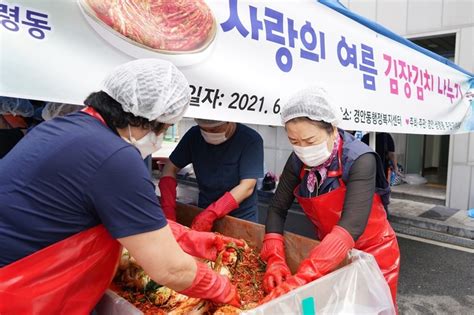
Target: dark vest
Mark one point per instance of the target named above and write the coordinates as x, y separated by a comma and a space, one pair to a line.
351, 150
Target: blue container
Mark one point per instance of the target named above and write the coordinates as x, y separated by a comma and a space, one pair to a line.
470, 213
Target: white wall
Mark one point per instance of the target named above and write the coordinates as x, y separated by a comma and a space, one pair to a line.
277, 148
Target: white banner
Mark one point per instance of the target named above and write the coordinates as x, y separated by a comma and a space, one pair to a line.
243, 59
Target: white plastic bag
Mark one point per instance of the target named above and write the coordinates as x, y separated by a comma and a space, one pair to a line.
414, 179
358, 288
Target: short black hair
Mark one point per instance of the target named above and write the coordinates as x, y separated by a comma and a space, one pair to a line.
115, 116
329, 128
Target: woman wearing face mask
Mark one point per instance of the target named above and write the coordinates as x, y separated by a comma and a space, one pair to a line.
228, 159
75, 189
339, 182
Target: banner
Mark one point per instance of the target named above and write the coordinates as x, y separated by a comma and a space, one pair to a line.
243, 59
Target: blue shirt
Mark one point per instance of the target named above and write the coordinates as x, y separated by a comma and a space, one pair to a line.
66, 176
219, 168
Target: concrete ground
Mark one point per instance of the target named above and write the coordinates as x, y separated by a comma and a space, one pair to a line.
427, 190
431, 221
403, 207
435, 279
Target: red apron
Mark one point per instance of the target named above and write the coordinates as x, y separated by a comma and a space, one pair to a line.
378, 238
68, 277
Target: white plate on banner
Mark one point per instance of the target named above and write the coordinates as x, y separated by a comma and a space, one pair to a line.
137, 50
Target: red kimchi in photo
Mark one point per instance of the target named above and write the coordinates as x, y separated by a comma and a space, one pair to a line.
171, 26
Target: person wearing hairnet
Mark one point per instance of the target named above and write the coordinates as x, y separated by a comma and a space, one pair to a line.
76, 189
52, 110
13, 126
227, 159
340, 184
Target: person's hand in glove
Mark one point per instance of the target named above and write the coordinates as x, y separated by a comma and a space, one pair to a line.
211, 286
205, 220
167, 187
203, 245
323, 259
273, 253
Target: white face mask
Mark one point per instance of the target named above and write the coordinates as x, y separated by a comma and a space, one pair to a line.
213, 138
147, 145
314, 155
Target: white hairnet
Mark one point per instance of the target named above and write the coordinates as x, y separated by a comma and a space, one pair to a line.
16, 106
150, 88
207, 123
52, 110
312, 102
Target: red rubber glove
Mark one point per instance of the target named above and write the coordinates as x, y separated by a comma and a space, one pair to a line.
167, 187
273, 253
203, 245
205, 220
211, 286
323, 259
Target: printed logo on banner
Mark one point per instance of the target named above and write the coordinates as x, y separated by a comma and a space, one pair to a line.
469, 120
13, 17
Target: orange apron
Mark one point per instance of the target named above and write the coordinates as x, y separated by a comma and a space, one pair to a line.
378, 238
68, 277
